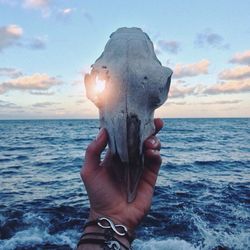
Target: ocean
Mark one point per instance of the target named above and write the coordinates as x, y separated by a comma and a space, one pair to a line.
201, 201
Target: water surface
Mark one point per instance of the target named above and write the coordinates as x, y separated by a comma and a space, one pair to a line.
202, 198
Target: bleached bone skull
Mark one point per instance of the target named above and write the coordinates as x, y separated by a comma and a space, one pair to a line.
134, 84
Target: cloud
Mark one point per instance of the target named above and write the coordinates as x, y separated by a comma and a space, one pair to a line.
81, 101
87, 15
169, 46
36, 4
176, 103
41, 5
44, 104
237, 73
9, 35
40, 82
66, 12
38, 43
178, 90
8, 105
241, 58
221, 102
228, 87
210, 39
10, 72
189, 70
43, 92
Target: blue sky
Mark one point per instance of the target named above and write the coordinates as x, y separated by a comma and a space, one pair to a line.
46, 46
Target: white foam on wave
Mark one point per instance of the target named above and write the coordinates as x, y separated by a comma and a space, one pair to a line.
241, 213
167, 244
37, 219
221, 235
33, 236
211, 236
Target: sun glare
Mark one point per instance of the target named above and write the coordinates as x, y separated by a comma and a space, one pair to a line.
99, 85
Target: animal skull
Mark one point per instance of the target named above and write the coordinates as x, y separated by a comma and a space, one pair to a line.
134, 84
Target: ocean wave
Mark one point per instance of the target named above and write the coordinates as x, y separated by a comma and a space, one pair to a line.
213, 241
201, 200
161, 244
209, 162
39, 238
21, 148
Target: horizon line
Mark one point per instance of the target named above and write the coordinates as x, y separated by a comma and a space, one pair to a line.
39, 119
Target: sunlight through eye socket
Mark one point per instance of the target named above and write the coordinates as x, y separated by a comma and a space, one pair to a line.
99, 85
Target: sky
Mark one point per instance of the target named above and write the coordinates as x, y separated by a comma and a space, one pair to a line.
46, 47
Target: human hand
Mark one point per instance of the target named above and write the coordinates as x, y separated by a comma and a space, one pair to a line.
106, 196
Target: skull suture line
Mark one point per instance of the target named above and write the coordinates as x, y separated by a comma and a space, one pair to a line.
127, 83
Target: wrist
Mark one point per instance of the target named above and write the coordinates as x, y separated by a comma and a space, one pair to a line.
93, 215
108, 229
103, 234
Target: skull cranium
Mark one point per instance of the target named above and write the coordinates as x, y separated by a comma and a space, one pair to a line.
135, 84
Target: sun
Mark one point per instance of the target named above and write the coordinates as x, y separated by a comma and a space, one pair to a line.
99, 85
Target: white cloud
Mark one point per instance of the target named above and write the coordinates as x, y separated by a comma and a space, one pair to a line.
36, 3
241, 58
37, 43
228, 87
237, 73
169, 46
42, 5
222, 102
9, 35
10, 72
66, 11
207, 38
14, 30
30, 83
178, 90
44, 104
12, 34
189, 70
176, 103
41, 92
8, 105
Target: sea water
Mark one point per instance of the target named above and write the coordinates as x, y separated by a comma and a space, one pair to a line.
201, 201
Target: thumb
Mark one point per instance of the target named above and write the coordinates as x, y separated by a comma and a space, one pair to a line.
94, 150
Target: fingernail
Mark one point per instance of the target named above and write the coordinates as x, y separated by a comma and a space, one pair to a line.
152, 141
100, 134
